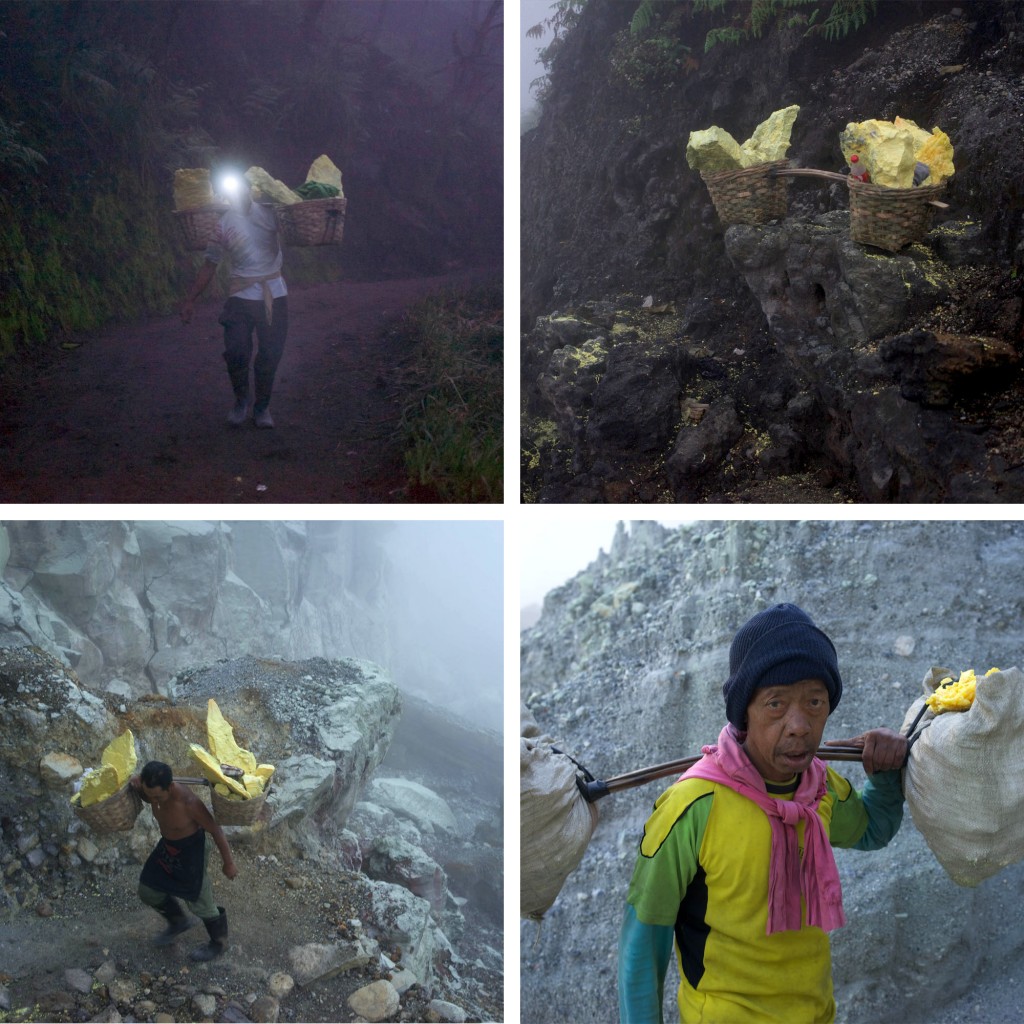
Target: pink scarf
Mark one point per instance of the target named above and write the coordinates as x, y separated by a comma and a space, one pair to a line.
816, 878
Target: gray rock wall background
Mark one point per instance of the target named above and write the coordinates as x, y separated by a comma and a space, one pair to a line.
128, 605
624, 669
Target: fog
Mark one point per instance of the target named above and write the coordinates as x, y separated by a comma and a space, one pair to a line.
446, 614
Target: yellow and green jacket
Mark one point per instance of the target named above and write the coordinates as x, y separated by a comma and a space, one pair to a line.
701, 880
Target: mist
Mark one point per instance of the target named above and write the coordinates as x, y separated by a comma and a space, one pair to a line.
447, 615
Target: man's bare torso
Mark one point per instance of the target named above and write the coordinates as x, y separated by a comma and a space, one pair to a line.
175, 813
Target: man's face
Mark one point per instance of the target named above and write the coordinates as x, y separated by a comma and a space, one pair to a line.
784, 728
154, 794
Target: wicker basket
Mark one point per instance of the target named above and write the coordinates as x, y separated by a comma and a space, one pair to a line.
891, 218
748, 196
115, 814
313, 222
198, 225
237, 812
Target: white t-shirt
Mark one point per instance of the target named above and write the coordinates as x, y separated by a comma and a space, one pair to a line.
250, 239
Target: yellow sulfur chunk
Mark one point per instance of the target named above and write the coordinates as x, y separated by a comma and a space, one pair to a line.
264, 771
956, 696
211, 770
220, 739
324, 171
117, 764
99, 784
270, 188
771, 138
253, 785
937, 153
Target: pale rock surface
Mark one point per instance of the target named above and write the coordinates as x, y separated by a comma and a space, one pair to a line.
408, 799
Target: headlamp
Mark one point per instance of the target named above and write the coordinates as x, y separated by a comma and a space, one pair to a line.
230, 184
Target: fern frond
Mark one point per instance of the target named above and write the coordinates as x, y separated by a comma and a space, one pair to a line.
642, 17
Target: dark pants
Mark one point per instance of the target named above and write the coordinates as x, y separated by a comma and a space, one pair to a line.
240, 317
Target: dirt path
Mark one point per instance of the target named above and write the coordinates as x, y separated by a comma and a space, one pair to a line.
272, 906
137, 413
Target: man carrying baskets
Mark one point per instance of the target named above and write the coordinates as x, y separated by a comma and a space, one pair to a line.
735, 864
177, 867
257, 301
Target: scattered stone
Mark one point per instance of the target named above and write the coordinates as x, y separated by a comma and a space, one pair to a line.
266, 1010
5, 998
403, 980
105, 973
447, 1011
280, 984
27, 842
78, 980
87, 849
36, 858
295, 882
122, 990
44, 908
317, 962
163, 1018
58, 770
108, 1016
144, 1008
204, 1005
376, 1001
904, 646
234, 1014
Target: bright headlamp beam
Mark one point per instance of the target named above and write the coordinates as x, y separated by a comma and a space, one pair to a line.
230, 184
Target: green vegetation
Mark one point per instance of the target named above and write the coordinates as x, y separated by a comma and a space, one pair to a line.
749, 19
452, 419
564, 16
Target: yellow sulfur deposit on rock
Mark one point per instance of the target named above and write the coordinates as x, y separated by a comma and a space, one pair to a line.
116, 767
324, 172
192, 188
714, 149
955, 696
224, 751
266, 187
890, 151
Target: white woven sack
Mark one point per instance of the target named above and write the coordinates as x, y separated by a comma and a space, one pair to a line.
964, 781
555, 821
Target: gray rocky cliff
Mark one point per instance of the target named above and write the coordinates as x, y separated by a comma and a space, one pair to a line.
136, 602
624, 670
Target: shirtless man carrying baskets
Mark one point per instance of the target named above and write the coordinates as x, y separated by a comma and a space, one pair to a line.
177, 867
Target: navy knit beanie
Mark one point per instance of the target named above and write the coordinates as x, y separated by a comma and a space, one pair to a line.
778, 647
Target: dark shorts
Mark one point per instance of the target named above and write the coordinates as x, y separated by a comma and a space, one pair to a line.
241, 317
177, 866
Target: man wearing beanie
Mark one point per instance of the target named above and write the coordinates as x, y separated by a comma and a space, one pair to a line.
735, 866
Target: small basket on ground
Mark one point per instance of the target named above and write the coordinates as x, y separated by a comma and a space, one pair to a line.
115, 814
313, 222
750, 195
198, 224
237, 812
891, 218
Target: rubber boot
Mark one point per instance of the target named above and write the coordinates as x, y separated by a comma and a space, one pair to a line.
218, 931
177, 921
240, 411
